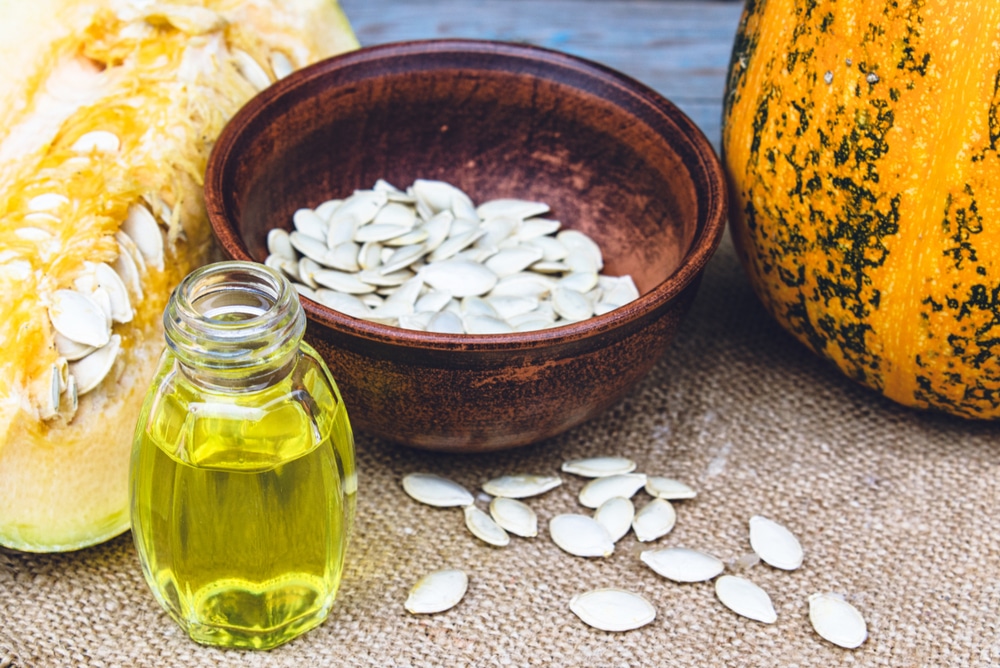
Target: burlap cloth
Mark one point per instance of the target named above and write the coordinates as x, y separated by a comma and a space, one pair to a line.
898, 511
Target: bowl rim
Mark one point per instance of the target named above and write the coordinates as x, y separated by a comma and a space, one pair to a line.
702, 248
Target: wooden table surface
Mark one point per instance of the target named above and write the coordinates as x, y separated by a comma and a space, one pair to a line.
679, 48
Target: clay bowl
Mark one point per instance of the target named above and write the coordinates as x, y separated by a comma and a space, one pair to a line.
611, 157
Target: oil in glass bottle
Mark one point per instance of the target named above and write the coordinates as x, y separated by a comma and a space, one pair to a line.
243, 478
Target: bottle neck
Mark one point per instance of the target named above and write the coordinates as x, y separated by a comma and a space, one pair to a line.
234, 326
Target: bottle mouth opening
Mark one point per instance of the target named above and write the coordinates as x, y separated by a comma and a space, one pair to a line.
233, 316
231, 295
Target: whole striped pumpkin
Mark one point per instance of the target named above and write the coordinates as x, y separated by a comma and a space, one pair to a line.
861, 144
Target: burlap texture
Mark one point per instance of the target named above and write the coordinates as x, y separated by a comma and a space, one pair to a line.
896, 510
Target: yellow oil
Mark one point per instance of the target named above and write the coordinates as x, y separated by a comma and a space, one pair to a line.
242, 504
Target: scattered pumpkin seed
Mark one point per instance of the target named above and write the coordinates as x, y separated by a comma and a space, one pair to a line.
614, 610
745, 598
616, 515
668, 488
682, 564
514, 516
521, 486
437, 592
837, 621
435, 490
580, 536
654, 520
599, 467
484, 527
776, 545
599, 490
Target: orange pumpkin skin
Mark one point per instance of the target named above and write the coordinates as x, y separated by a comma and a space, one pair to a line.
861, 145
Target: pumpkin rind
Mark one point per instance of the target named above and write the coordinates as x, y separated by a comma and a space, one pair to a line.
861, 145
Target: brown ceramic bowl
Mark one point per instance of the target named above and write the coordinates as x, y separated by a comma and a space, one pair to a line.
610, 156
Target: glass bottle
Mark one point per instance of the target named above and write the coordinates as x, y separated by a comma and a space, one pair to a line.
243, 479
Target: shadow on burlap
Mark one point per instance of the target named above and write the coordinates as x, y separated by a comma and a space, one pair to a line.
897, 511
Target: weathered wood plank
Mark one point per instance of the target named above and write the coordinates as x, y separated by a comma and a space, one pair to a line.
681, 49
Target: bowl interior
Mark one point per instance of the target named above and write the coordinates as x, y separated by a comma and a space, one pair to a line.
494, 120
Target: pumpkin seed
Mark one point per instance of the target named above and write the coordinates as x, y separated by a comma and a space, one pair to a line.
837, 621
437, 491
511, 208
142, 228
745, 598
459, 277
776, 545
92, 369
668, 488
514, 516
281, 65
79, 318
599, 490
681, 564
310, 223
580, 536
97, 141
437, 592
521, 486
615, 515
484, 527
599, 467
654, 520
614, 610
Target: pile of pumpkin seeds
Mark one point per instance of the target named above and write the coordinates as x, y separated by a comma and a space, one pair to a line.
609, 492
428, 259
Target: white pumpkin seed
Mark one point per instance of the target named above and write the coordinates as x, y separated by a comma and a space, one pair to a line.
837, 621
361, 206
459, 277
534, 229
521, 486
579, 244
580, 536
579, 281
599, 490
142, 228
484, 527
346, 304
70, 349
437, 592
79, 318
681, 564
453, 245
432, 301
484, 324
511, 208
251, 69
776, 545
342, 282
668, 488
570, 304
111, 282
616, 515
446, 322
281, 65
92, 369
435, 490
513, 260
436, 194
279, 244
745, 598
654, 520
313, 248
379, 232
613, 610
599, 467
514, 516
621, 292
97, 141
308, 222
47, 202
